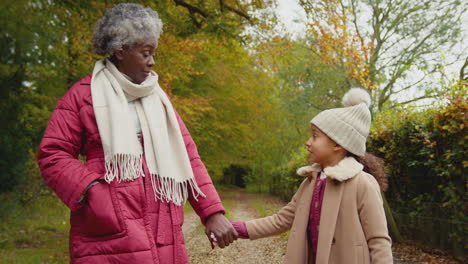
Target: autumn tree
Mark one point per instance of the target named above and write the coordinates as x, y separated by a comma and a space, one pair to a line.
301, 85
201, 62
392, 47
24, 113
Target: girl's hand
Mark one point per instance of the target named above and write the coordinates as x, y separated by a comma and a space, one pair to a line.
218, 226
213, 240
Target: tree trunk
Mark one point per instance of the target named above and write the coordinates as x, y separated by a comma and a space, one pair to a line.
394, 231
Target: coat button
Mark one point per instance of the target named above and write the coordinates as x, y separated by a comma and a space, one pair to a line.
333, 241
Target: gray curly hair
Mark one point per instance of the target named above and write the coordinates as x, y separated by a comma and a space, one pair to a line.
125, 25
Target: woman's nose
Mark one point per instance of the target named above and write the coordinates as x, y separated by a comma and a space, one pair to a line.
151, 61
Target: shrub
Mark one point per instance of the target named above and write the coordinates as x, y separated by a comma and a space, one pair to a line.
426, 156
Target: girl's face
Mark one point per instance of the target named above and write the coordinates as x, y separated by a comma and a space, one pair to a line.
322, 149
136, 62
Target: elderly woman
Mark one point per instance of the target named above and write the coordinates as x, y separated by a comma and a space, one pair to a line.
141, 162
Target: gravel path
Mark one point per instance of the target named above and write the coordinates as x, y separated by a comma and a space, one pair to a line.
243, 206
267, 250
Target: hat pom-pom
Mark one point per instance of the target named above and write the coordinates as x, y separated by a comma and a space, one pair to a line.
356, 96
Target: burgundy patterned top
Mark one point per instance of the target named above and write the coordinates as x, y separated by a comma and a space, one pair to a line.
314, 214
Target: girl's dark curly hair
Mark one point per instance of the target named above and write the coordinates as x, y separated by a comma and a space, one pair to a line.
375, 166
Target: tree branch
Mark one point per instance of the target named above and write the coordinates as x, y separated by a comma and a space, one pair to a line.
353, 11
192, 9
197, 23
413, 84
232, 9
410, 54
397, 21
463, 75
392, 45
419, 98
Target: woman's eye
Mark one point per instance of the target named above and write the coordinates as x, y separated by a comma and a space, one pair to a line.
148, 54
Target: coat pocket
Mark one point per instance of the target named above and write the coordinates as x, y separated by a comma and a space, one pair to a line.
100, 216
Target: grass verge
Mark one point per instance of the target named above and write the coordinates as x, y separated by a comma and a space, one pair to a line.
265, 209
34, 233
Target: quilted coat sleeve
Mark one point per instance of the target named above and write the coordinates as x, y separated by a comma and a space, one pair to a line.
373, 221
277, 223
59, 149
211, 204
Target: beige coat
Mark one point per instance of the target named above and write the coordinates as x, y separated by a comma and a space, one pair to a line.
353, 228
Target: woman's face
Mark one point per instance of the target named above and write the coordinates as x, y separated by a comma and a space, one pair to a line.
136, 62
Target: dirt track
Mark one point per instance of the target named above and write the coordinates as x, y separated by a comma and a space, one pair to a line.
242, 206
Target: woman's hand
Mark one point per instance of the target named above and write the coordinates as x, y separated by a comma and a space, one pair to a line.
221, 228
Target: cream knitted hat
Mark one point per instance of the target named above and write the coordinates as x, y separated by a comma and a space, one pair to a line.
348, 126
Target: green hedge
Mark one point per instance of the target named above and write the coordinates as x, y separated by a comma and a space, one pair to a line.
284, 181
281, 181
24, 118
426, 157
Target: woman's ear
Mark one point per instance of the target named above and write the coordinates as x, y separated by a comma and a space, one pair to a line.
119, 54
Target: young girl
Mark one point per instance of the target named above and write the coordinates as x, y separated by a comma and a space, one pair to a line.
337, 214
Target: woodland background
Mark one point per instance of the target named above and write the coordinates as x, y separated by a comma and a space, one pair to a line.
246, 88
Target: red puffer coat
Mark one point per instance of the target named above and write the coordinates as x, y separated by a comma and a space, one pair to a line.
120, 222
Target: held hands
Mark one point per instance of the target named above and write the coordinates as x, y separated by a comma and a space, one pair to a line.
220, 231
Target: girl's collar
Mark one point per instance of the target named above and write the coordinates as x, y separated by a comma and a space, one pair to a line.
344, 170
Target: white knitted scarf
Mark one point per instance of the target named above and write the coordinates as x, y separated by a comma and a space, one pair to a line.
164, 148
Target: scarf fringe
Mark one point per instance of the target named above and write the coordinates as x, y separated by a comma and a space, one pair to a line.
168, 190
128, 167
124, 167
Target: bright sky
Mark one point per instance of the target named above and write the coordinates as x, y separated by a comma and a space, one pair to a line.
292, 15
294, 18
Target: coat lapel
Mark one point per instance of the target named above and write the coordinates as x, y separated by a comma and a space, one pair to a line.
298, 248
328, 218
336, 176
